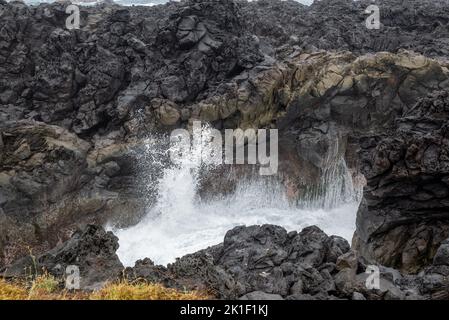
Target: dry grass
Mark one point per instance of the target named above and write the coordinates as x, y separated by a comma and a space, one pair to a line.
143, 291
46, 287
12, 291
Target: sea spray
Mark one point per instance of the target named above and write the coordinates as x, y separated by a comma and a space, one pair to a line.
179, 222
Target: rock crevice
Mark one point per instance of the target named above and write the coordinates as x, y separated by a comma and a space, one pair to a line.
77, 105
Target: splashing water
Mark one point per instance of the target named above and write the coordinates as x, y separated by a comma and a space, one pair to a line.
180, 222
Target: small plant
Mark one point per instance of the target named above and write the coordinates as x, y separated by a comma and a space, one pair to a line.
46, 287
10, 291
43, 285
124, 290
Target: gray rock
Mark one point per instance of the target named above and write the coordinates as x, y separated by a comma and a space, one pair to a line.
345, 282
358, 296
347, 260
297, 288
137, 70
442, 255
91, 250
259, 295
389, 194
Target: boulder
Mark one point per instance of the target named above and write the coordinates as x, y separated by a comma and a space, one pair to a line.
348, 260
405, 172
90, 250
441, 257
252, 259
77, 105
259, 295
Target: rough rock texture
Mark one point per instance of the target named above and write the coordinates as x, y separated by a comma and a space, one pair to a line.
340, 25
90, 249
442, 255
47, 186
404, 217
119, 77
266, 262
253, 263
76, 106
253, 259
40, 165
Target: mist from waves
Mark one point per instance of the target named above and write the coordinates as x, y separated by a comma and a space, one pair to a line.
179, 222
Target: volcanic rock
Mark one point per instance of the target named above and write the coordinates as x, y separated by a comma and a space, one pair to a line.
91, 250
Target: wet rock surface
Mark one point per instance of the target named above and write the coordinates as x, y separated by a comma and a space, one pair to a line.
90, 250
253, 263
340, 25
267, 262
126, 72
403, 218
77, 105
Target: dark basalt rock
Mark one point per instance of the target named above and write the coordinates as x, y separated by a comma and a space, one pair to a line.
441, 257
259, 295
92, 79
266, 262
262, 259
74, 105
91, 249
255, 262
119, 60
94, 82
340, 25
403, 218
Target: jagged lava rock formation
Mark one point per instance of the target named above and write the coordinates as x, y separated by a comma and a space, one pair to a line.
91, 250
76, 106
253, 263
403, 217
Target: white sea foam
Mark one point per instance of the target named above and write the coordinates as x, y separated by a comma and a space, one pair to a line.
180, 223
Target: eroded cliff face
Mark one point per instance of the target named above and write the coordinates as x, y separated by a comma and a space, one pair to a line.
252, 263
340, 25
403, 217
76, 106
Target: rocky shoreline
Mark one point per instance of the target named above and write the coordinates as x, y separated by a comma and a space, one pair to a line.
252, 263
76, 106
